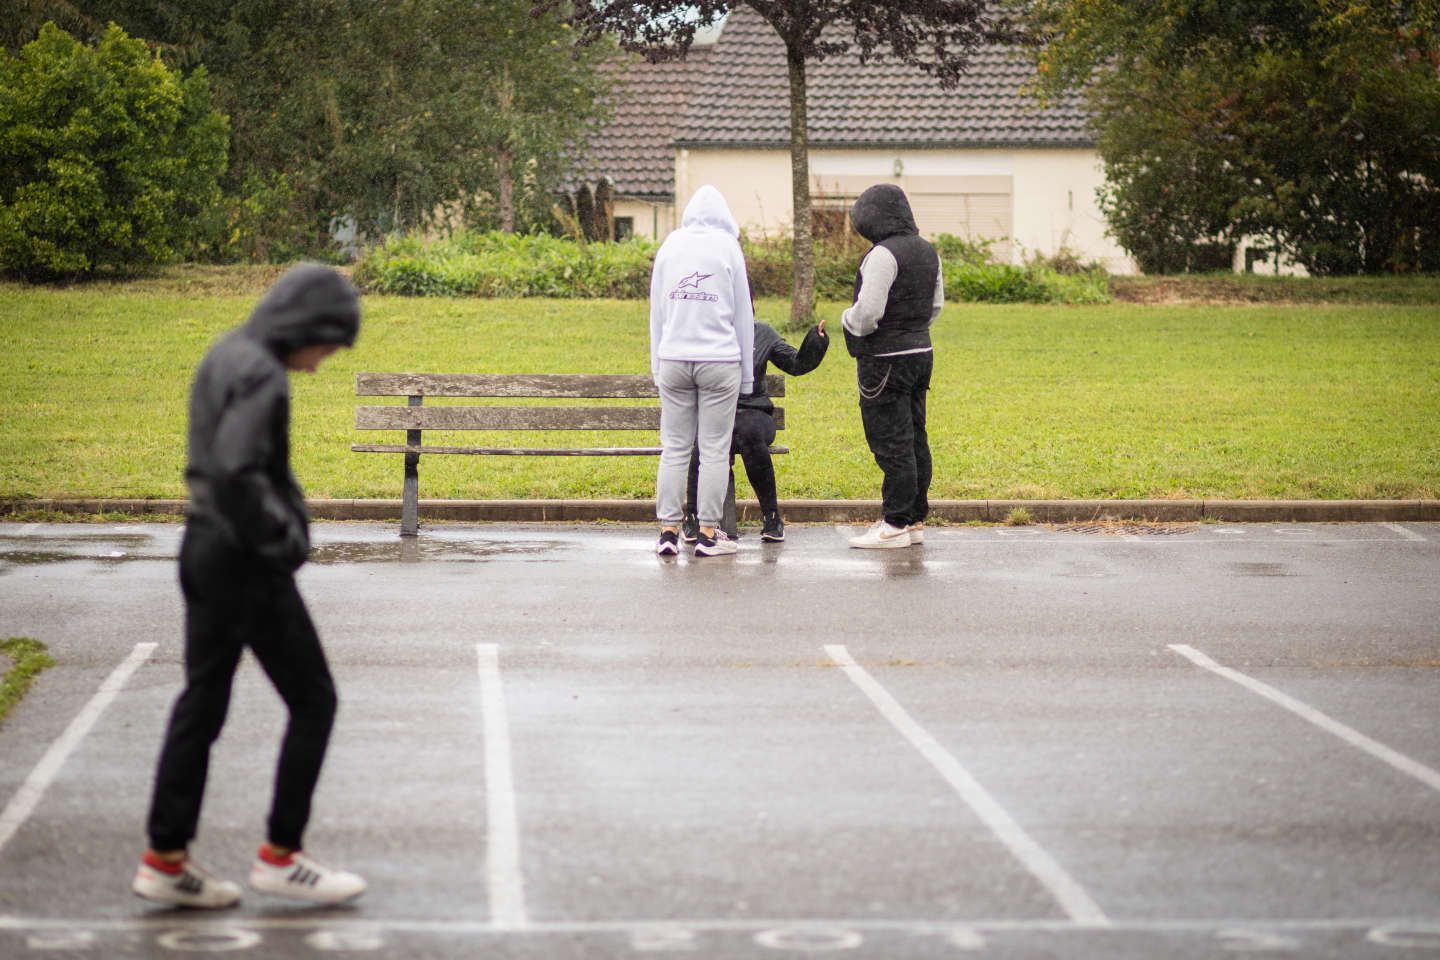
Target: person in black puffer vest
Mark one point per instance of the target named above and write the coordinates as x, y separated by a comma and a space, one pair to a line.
898, 294
755, 427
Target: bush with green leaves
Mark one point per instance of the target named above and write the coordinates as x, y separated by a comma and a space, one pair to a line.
108, 159
508, 265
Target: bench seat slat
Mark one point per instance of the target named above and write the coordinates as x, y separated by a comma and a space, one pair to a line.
515, 418
561, 385
521, 452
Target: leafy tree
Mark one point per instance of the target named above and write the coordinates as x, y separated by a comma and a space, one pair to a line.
395, 116
937, 36
107, 157
1311, 123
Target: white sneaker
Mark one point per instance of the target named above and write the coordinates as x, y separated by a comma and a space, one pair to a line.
191, 886
719, 545
301, 877
917, 534
882, 536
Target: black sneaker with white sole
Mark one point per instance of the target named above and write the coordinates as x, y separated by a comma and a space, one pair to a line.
669, 544
718, 545
773, 528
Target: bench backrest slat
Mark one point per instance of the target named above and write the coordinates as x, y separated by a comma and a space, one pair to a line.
515, 418
586, 386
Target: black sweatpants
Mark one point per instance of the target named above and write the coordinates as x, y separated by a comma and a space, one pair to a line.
892, 409
751, 438
233, 601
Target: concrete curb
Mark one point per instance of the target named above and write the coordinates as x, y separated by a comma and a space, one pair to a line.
816, 511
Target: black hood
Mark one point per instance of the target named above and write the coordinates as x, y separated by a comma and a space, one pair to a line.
882, 212
309, 305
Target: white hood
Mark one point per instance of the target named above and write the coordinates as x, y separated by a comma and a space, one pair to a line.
700, 310
709, 209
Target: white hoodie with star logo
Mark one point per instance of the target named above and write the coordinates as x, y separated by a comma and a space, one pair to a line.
700, 306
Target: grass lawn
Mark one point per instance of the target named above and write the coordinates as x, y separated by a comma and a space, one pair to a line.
1124, 400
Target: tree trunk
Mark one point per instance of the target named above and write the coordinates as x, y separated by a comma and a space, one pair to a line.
504, 156
505, 170
802, 291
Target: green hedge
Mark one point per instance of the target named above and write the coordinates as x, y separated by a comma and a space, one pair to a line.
500, 265
507, 265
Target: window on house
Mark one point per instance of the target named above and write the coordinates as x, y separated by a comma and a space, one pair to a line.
624, 228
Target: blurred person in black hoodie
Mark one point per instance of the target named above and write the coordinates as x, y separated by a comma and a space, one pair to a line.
898, 294
246, 534
755, 426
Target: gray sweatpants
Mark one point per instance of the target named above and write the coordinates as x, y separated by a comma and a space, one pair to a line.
697, 402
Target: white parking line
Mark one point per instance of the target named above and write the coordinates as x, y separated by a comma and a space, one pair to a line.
1355, 738
1073, 899
949, 928
1407, 534
504, 879
28, 796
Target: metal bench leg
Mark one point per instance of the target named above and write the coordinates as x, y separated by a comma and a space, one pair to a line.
410, 507
730, 521
410, 502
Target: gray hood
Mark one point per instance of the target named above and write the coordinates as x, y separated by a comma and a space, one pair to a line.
309, 305
881, 212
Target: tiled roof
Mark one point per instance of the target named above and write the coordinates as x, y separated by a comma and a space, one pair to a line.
742, 99
735, 93
636, 148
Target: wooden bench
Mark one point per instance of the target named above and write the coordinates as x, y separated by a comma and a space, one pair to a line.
415, 418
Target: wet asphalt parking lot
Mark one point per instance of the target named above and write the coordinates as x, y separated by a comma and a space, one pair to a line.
1185, 741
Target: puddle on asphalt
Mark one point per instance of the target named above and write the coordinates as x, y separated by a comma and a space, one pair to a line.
39, 558
105, 548
417, 549
407, 550
124, 539
1262, 569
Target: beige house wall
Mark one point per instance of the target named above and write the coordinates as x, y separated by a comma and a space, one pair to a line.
755, 183
1051, 192
652, 220
1056, 206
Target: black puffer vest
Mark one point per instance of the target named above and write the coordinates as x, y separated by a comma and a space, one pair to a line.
906, 322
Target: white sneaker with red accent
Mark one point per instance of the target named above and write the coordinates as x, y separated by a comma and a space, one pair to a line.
299, 876
186, 884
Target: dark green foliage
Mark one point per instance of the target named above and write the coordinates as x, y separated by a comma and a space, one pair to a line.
391, 116
585, 212
108, 159
1314, 128
604, 210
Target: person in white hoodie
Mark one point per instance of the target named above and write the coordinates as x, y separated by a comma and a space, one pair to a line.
702, 336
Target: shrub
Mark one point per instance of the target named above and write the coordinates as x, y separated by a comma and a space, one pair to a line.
507, 265
107, 158
512, 265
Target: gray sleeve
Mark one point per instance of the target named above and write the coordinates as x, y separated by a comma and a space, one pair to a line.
939, 291
877, 273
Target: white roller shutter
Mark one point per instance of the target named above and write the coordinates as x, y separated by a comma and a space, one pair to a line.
974, 216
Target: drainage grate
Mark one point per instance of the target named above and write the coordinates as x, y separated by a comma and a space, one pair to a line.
1128, 528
